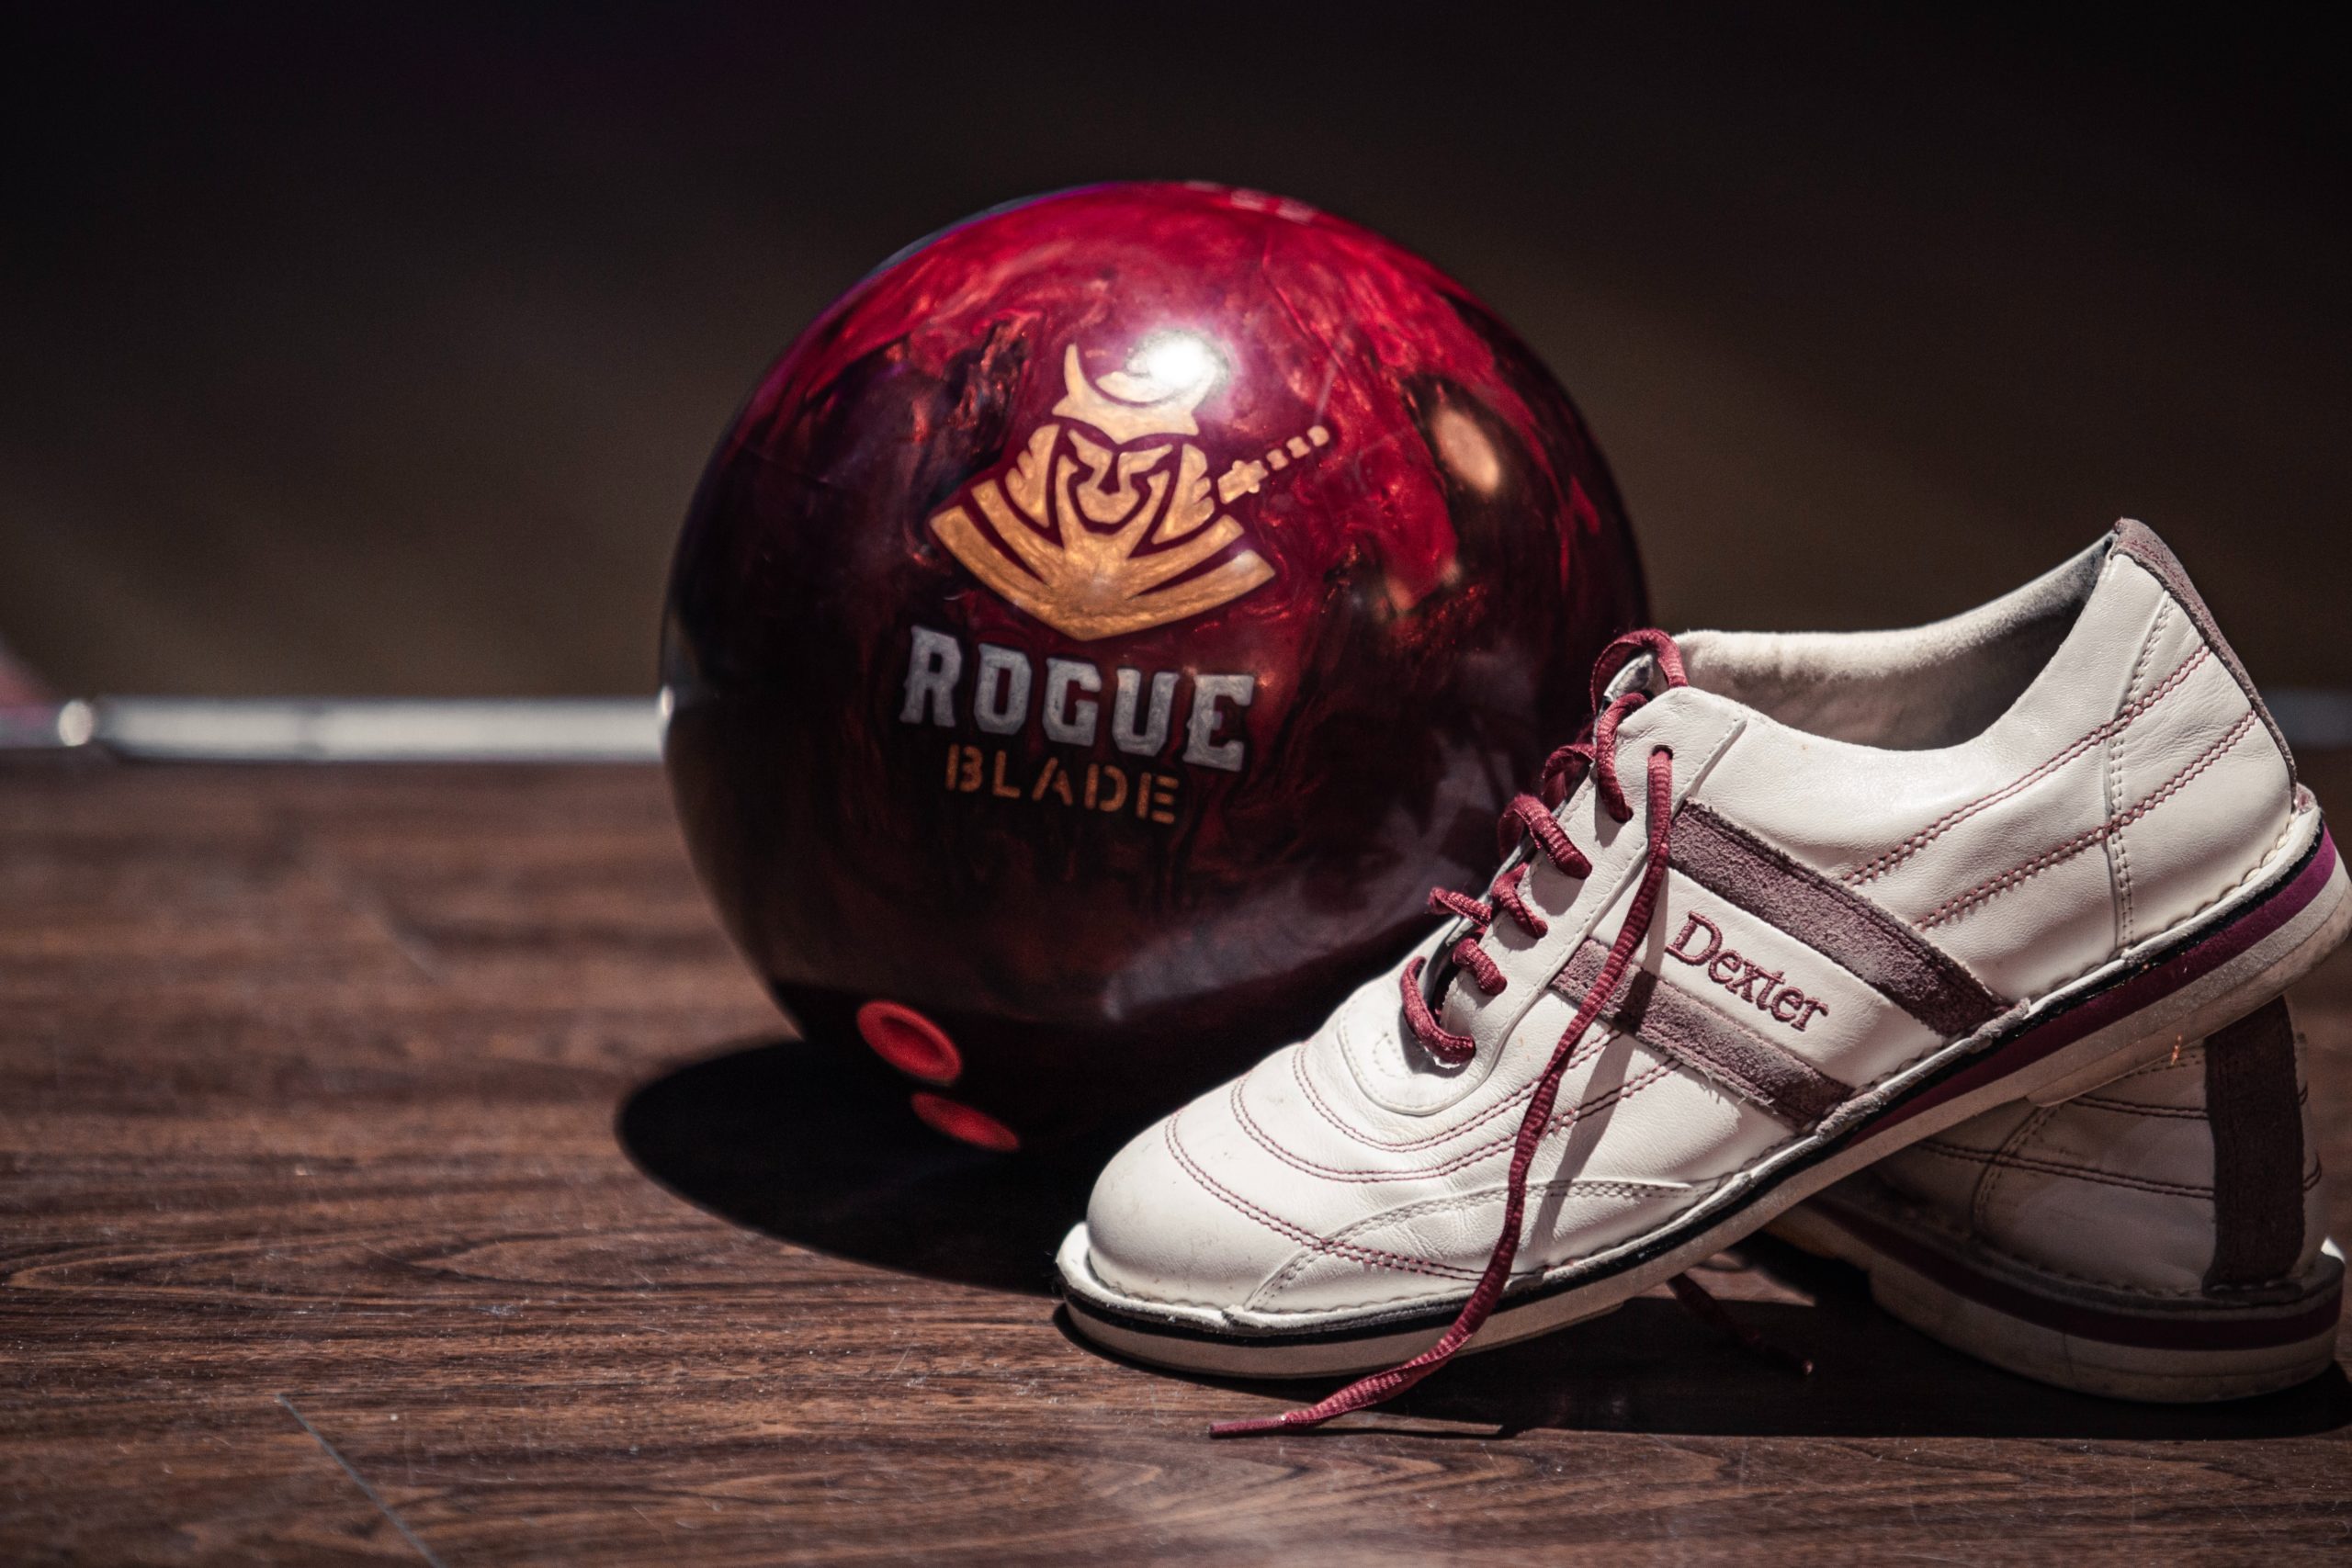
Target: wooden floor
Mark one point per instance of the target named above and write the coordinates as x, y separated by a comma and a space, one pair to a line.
397, 1164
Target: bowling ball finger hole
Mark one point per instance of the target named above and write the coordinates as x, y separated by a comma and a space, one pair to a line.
959, 1121
909, 1042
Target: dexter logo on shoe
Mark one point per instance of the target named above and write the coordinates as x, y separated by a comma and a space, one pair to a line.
1701, 945
1798, 902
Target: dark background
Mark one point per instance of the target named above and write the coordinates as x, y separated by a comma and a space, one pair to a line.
378, 349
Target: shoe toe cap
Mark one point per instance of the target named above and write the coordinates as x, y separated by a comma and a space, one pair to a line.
1160, 1230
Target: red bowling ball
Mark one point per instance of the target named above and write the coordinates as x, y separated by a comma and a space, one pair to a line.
1103, 626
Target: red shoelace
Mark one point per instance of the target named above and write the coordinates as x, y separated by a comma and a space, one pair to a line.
1530, 816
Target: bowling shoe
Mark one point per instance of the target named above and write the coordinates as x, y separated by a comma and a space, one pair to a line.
1795, 904
2157, 1237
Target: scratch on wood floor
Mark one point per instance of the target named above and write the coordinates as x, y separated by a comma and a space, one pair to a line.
363, 903
360, 1481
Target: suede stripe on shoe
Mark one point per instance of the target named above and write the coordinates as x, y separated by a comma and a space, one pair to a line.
1833, 919
2257, 1115
1697, 1036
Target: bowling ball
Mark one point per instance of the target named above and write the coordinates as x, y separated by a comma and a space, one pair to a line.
1102, 628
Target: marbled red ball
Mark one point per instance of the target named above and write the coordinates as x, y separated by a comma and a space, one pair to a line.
1103, 626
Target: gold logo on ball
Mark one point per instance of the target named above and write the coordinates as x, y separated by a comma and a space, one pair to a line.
1095, 534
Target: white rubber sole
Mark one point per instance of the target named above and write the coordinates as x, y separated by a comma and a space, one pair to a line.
2184, 985
2058, 1331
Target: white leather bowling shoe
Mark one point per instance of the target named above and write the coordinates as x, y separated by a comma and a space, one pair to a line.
1811, 899
2159, 1238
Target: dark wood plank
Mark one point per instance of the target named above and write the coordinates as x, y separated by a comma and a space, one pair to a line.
397, 1163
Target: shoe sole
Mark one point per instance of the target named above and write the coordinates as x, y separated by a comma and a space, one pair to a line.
2066, 1332
2244, 951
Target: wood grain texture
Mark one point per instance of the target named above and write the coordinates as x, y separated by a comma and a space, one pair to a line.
396, 1166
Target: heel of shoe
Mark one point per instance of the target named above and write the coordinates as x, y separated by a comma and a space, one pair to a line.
2234, 988
2071, 1335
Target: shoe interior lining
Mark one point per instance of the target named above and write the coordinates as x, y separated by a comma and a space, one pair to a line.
1916, 689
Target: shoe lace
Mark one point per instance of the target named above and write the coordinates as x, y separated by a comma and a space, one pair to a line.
1529, 817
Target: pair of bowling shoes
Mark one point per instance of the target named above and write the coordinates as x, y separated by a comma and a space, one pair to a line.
1956, 952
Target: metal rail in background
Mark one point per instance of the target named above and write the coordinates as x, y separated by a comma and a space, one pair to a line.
559, 729
373, 729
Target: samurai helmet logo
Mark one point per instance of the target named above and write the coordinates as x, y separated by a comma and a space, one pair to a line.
1095, 531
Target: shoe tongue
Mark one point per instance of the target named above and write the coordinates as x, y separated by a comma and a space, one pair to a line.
1640, 674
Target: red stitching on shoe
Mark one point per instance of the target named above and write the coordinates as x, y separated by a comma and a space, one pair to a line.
1559, 1121
2076, 845
2137, 1108
2061, 1167
2122, 720
1300, 1233
2148, 649
1338, 1124
2118, 847
2129, 1107
1455, 1202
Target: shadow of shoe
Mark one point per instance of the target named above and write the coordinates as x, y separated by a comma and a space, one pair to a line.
816, 1145
1652, 1367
